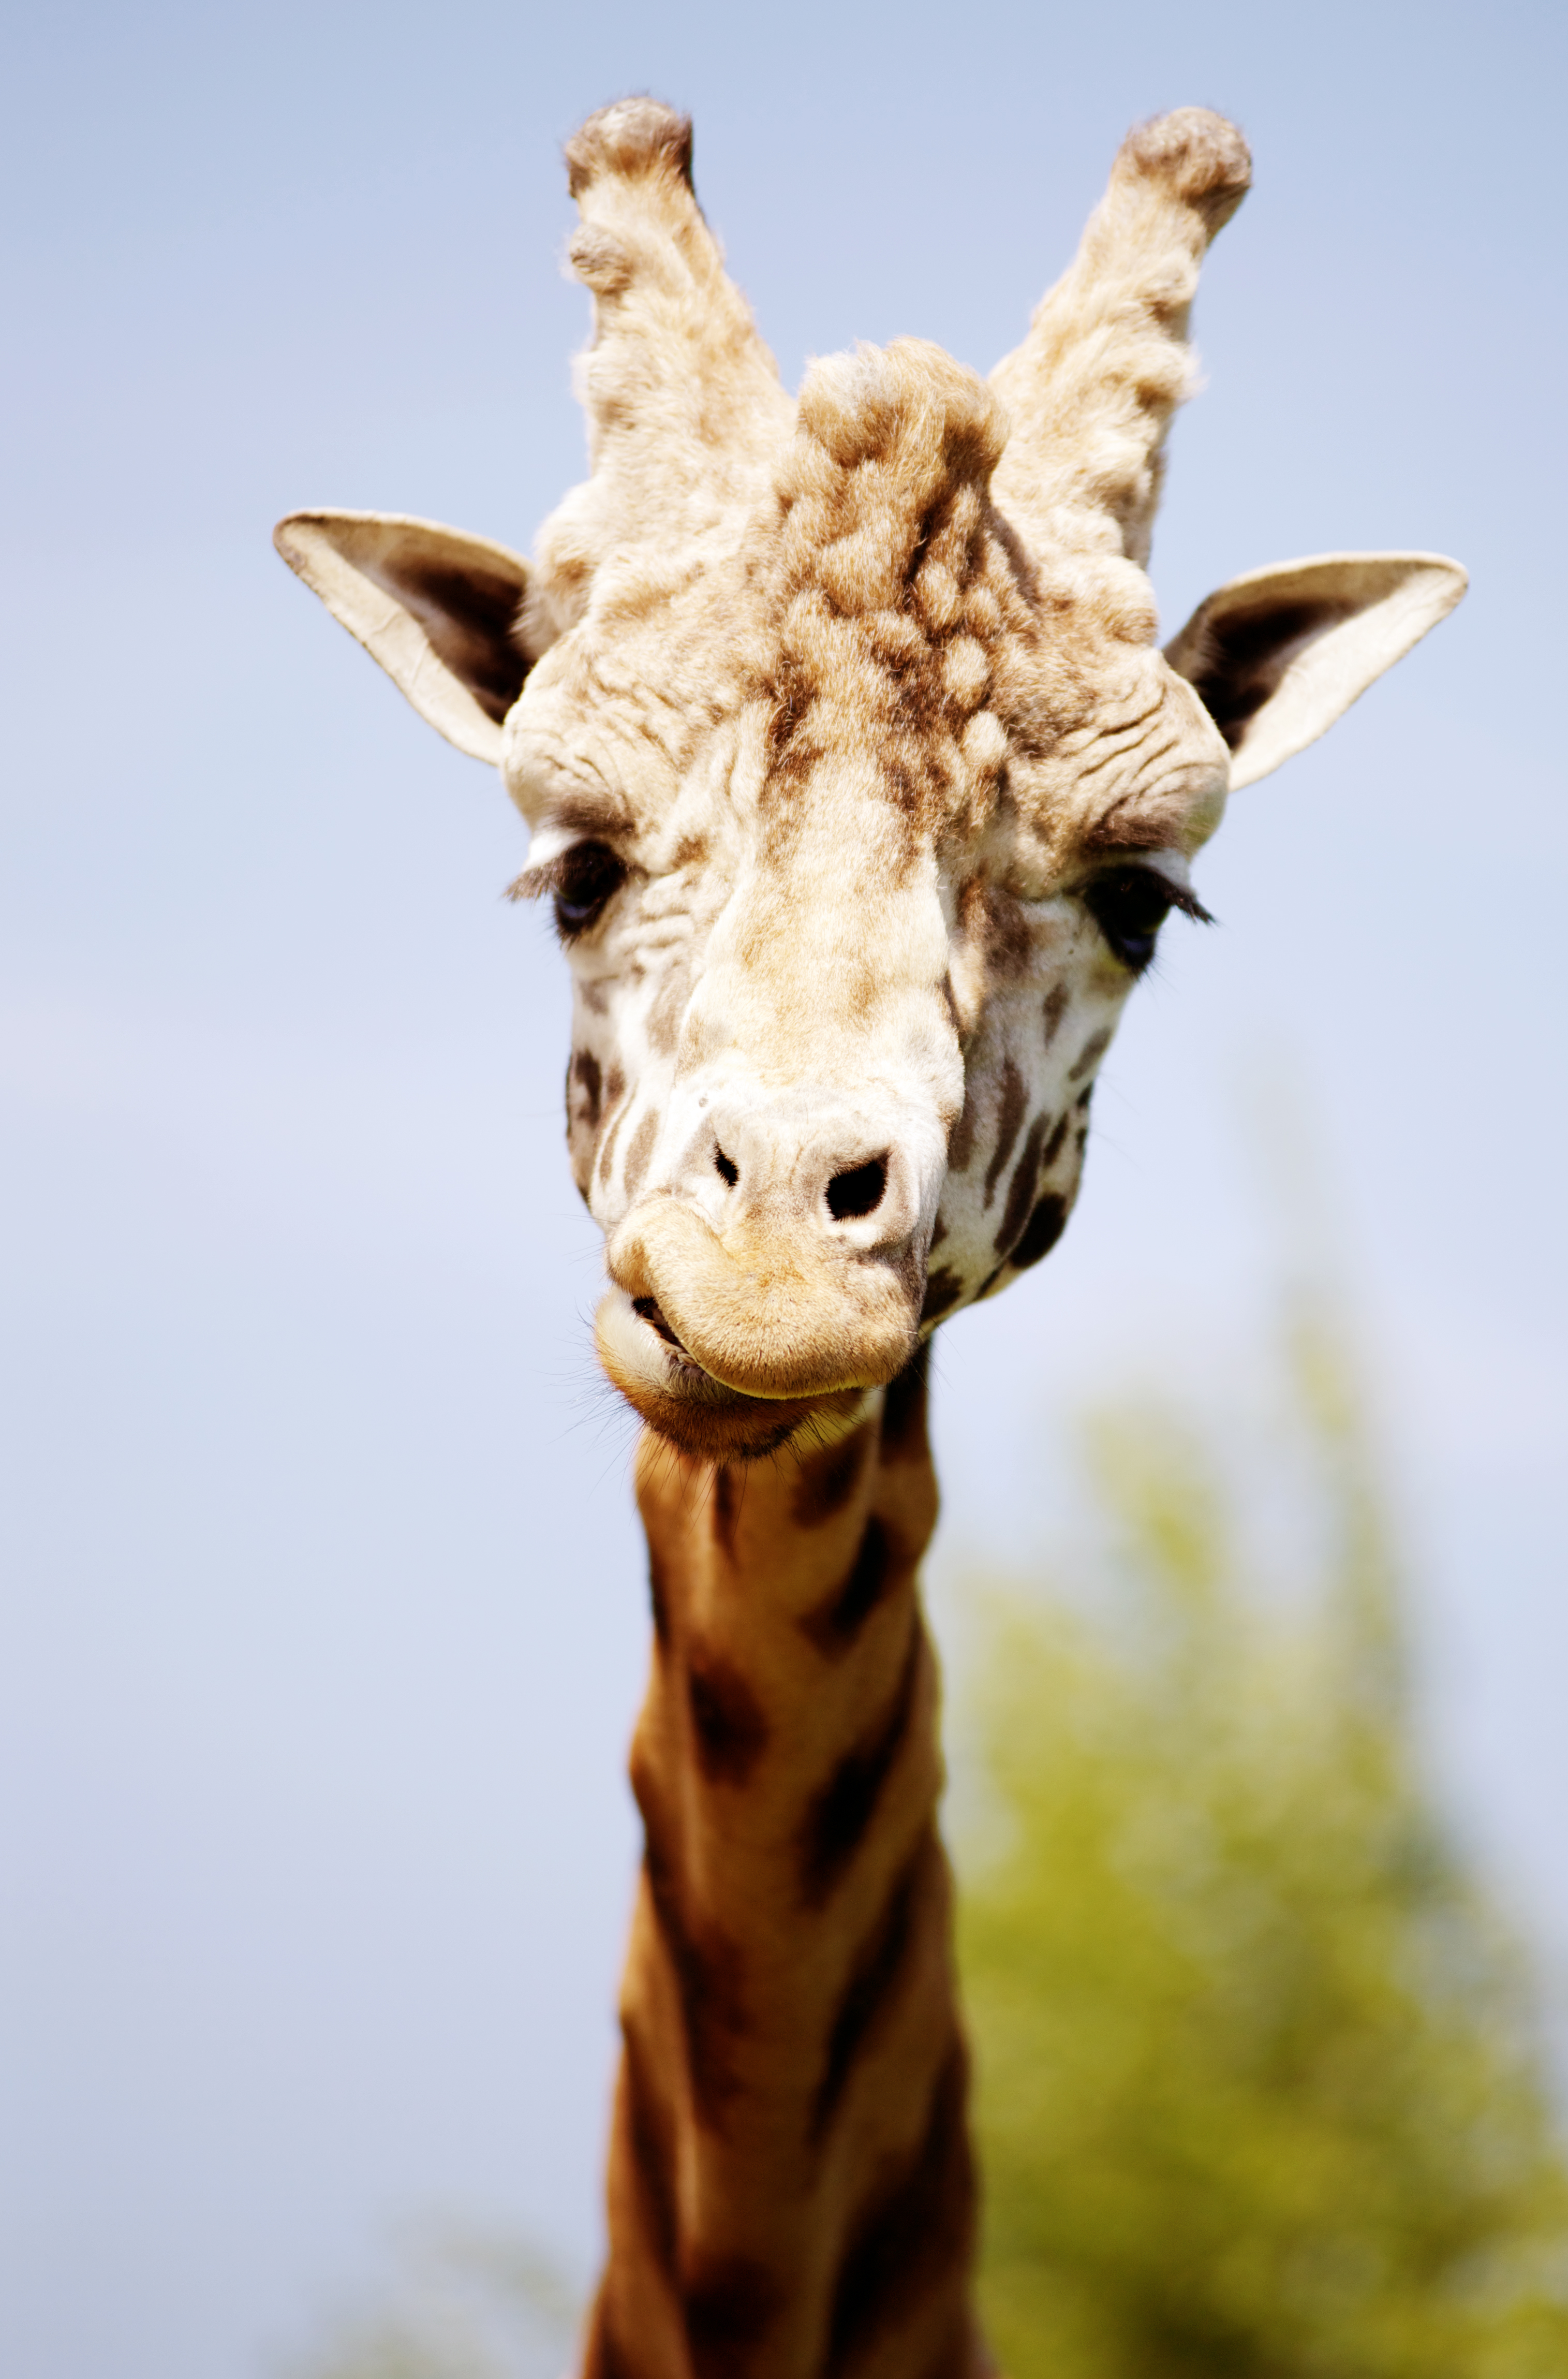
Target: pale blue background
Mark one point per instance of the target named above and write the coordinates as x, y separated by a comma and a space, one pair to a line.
322, 1622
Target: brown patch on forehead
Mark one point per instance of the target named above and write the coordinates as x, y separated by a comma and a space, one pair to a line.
792, 690
890, 583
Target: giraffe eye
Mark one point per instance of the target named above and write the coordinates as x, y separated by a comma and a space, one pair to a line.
585, 877
1130, 906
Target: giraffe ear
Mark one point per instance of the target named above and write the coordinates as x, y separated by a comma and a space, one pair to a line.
1277, 656
437, 609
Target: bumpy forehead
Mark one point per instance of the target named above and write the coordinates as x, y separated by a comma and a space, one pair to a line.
872, 600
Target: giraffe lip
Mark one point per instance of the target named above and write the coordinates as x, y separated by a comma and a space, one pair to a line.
647, 1308
667, 1369
683, 1402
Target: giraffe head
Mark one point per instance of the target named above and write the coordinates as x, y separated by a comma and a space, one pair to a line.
855, 774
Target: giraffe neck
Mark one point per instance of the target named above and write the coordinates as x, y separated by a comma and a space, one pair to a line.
790, 2189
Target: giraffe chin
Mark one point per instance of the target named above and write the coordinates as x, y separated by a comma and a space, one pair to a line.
696, 1413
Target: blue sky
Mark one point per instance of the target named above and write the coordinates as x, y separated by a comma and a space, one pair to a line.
323, 1608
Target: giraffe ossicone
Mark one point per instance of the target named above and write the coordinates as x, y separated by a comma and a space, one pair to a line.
862, 789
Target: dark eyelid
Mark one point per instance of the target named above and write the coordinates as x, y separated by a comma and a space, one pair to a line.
1180, 896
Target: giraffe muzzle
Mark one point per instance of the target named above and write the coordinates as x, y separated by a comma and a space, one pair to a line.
761, 1310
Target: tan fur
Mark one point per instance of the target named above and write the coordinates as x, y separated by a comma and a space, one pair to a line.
683, 402
791, 2187
860, 785
1106, 365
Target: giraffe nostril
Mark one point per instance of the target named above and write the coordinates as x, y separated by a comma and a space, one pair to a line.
728, 1173
858, 1191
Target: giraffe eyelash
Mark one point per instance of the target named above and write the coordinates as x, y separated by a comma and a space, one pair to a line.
1186, 900
584, 879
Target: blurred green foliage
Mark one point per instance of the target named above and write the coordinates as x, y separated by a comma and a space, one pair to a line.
1260, 2096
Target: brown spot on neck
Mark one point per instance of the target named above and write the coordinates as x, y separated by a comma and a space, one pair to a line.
829, 1477
839, 1813
729, 1488
903, 1411
727, 1723
651, 2136
911, 2238
729, 2302
835, 1624
658, 1599
872, 1982
705, 1966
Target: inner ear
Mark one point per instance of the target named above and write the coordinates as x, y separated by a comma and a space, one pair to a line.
1247, 652
1276, 657
469, 612
437, 608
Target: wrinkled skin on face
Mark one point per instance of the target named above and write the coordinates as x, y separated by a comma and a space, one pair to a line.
850, 934
856, 778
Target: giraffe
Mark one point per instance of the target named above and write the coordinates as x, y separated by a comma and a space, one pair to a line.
860, 788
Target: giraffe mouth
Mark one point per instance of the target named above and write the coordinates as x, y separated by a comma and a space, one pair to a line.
647, 1308
683, 1402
